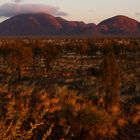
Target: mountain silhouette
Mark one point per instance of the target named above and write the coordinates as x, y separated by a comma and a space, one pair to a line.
119, 25
41, 24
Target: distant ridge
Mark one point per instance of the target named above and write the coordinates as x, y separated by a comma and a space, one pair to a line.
119, 25
41, 24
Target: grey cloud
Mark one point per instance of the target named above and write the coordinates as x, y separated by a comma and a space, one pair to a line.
91, 11
16, 1
137, 13
11, 9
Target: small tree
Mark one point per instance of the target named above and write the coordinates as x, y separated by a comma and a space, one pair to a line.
5, 50
19, 56
36, 52
15, 58
110, 80
50, 52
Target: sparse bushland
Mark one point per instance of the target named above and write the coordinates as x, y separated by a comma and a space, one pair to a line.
36, 115
54, 90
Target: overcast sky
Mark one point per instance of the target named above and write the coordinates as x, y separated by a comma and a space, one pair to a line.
82, 10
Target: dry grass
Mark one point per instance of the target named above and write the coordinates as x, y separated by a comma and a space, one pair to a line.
65, 115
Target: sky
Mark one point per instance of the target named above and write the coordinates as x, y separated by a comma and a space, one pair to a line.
89, 11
